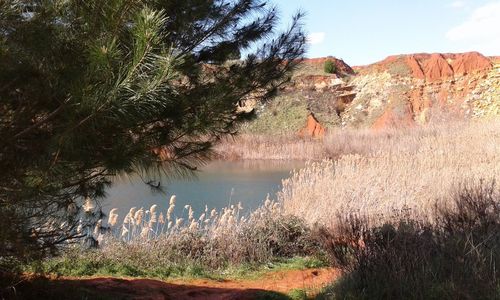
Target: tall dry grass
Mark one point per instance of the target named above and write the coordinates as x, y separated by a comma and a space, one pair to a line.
270, 147
376, 173
340, 142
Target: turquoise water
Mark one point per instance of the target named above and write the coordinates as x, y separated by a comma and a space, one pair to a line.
216, 185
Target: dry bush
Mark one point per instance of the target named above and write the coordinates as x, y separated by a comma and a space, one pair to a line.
391, 170
453, 256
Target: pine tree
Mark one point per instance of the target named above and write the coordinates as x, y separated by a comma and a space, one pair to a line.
90, 89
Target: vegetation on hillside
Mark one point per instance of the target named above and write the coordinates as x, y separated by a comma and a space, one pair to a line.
282, 116
330, 67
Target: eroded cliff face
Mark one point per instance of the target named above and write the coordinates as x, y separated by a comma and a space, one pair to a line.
401, 90
313, 128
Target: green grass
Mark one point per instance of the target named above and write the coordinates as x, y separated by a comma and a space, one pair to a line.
297, 294
75, 267
256, 271
81, 267
284, 115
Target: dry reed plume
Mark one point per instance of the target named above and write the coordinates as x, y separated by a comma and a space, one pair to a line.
156, 241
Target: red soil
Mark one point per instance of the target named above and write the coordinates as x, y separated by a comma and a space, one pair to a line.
436, 66
415, 67
441, 80
470, 62
313, 128
282, 282
391, 119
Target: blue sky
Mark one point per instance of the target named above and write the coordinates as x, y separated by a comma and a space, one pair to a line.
366, 31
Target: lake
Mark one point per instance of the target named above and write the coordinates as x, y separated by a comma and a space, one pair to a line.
216, 185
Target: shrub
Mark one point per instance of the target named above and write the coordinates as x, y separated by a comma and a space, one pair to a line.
453, 256
330, 67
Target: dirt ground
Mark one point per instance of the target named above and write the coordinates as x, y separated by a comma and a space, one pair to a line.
281, 283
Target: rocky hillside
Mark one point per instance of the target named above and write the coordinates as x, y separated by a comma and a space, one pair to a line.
399, 91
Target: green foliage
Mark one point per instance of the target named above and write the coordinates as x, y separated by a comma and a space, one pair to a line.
92, 89
330, 67
78, 264
286, 114
298, 294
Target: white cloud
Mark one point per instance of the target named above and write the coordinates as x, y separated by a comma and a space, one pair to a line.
316, 38
458, 4
481, 31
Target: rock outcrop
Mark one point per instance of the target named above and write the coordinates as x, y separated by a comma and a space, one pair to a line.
314, 82
469, 63
399, 91
313, 128
437, 68
421, 87
431, 67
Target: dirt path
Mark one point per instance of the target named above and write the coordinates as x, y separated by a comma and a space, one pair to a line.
280, 282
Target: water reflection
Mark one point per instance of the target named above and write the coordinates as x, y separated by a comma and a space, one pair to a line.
219, 184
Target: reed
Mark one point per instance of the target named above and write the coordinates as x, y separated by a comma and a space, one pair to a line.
376, 173
153, 243
343, 141
270, 147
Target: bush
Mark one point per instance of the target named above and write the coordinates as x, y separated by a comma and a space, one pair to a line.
453, 256
330, 67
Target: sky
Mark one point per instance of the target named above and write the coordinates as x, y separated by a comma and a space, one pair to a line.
366, 31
